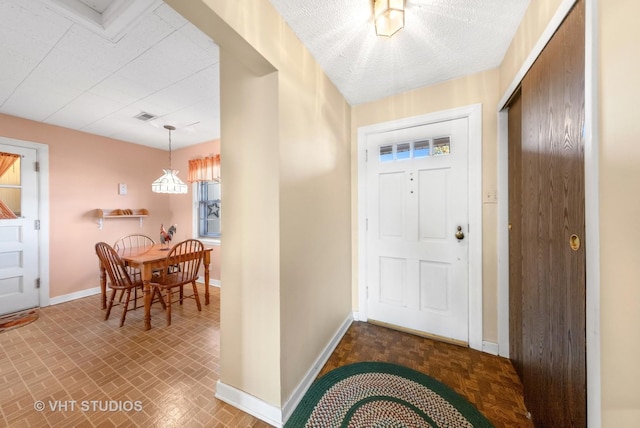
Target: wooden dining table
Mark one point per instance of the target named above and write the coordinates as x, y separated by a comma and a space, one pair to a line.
147, 259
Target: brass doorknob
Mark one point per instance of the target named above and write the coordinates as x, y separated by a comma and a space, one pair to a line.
460, 234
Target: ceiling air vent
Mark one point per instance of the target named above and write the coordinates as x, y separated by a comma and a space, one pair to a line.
144, 116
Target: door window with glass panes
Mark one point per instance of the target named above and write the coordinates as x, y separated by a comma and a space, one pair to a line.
209, 206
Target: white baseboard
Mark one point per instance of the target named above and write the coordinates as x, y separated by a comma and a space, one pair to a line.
249, 404
268, 412
490, 348
312, 374
358, 316
96, 290
212, 282
73, 296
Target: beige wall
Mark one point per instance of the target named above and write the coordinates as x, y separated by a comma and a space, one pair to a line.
84, 172
533, 24
478, 88
286, 269
619, 151
250, 338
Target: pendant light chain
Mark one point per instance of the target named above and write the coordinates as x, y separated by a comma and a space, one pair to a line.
170, 128
170, 149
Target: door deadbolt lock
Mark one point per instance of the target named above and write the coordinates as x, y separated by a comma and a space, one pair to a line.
459, 234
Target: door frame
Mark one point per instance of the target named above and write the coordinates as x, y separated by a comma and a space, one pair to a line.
592, 201
474, 115
42, 179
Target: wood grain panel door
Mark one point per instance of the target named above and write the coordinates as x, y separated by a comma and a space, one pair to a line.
552, 352
515, 232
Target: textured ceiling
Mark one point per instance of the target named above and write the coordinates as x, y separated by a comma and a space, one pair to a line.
92, 65
441, 40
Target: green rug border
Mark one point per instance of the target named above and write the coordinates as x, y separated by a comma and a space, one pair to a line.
301, 414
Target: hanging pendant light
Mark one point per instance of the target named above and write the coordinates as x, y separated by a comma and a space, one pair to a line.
169, 182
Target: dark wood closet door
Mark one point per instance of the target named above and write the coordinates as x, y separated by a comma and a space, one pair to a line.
515, 232
551, 357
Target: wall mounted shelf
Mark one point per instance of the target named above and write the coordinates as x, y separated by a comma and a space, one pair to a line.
103, 214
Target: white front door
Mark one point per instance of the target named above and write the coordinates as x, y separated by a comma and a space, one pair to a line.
417, 197
18, 234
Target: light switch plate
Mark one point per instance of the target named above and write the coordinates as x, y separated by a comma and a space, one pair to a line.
122, 189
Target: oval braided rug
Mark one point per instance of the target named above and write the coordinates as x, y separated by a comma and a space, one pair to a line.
374, 394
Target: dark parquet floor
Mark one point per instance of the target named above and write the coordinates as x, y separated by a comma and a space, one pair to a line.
487, 381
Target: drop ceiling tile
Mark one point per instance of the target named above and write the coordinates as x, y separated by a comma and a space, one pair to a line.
116, 123
193, 89
196, 36
120, 89
83, 111
171, 60
26, 38
170, 16
38, 100
150, 31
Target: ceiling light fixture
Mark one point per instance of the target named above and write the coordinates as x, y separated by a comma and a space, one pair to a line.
388, 16
169, 182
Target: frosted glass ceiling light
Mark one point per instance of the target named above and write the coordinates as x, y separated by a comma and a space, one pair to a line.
388, 16
169, 182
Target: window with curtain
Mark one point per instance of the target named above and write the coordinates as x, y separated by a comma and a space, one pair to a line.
205, 174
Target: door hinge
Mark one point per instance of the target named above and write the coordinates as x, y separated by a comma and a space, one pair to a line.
36, 225
366, 224
366, 155
36, 166
37, 282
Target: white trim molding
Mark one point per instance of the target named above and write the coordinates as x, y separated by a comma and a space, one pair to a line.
503, 233
490, 348
42, 156
474, 115
249, 404
73, 296
268, 412
312, 374
592, 216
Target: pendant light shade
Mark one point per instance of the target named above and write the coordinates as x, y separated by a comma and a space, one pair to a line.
169, 181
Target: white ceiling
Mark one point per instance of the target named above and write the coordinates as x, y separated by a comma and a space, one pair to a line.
92, 65
441, 40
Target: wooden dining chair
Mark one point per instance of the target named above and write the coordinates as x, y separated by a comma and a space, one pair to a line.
119, 278
130, 241
181, 268
134, 240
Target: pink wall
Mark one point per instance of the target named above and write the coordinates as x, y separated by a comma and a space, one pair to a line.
182, 205
84, 172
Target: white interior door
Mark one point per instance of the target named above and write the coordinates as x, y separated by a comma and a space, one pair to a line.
18, 234
417, 197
